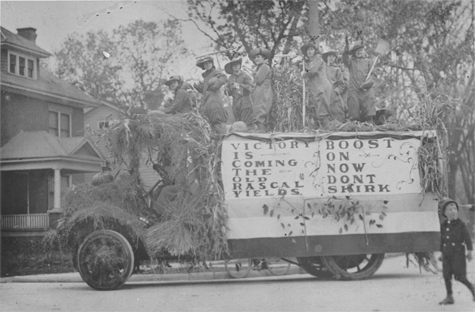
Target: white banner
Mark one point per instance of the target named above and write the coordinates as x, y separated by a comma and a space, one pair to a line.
310, 167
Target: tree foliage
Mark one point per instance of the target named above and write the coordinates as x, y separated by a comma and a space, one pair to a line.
431, 53
268, 24
125, 67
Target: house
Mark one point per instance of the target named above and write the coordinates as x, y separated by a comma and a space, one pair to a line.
99, 118
42, 145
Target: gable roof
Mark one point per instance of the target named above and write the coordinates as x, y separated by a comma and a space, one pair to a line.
48, 85
9, 39
106, 105
40, 144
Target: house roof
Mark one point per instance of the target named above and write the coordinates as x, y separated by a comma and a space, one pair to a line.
15, 41
41, 144
105, 104
48, 85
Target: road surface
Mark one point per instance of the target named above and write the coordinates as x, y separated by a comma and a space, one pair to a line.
393, 288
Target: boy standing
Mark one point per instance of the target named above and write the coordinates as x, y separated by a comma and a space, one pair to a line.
454, 239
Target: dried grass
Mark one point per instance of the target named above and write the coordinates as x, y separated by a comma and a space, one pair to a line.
194, 224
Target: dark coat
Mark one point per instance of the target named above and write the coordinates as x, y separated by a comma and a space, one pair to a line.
361, 103
183, 100
338, 106
212, 106
319, 86
454, 239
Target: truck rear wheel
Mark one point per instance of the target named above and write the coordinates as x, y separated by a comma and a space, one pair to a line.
353, 267
314, 266
105, 260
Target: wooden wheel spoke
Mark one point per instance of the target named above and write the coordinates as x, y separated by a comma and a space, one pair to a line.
105, 260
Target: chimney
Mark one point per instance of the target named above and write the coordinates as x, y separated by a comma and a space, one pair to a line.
28, 33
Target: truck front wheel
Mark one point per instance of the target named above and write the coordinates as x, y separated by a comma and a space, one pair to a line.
105, 260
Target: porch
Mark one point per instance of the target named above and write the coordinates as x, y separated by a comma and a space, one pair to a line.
36, 168
35, 221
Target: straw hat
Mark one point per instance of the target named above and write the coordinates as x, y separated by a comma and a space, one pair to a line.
305, 47
173, 78
258, 51
228, 68
326, 54
200, 62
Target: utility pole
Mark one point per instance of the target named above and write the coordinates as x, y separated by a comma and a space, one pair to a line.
313, 20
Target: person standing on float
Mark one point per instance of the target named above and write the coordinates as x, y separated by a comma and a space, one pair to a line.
361, 100
346, 78
318, 84
335, 75
239, 86
183, 99
263, 95
212, 106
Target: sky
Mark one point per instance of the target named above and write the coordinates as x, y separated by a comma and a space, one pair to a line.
55, 20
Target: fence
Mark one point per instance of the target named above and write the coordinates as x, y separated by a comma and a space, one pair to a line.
25, 221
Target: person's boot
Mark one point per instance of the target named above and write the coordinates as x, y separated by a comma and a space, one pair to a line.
448, 300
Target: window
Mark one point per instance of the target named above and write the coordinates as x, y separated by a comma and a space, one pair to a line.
60, 124
22, 65
31, 66
12, 63
102, 125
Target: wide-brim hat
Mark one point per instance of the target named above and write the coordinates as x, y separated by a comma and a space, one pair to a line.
356, 46
328, 53
445, 203
305, 47
173, 78
200, 62
228, 68
259, 51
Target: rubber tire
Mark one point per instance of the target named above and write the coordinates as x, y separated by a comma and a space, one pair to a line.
122, 245
277, 266
314, 266
238, 268
335, 265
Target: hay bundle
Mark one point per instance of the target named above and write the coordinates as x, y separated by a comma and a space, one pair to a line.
194, 224
115, 205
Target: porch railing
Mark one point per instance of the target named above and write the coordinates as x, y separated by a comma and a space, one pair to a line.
25, 221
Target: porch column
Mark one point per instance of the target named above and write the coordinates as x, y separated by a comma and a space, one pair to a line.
55, 213
57, 190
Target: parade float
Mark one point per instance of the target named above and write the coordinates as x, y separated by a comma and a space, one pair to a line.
336, 199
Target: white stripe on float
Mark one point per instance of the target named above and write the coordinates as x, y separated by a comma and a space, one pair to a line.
259, 227
248, 208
